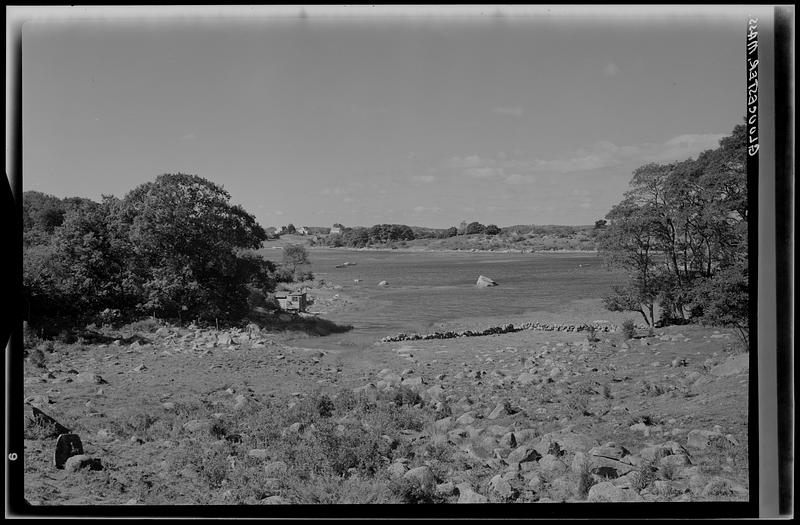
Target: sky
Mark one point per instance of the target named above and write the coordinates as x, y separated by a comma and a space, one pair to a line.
361, 120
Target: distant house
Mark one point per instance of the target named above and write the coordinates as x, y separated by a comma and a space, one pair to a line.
291, 301
303, 230
280, 229
337, 228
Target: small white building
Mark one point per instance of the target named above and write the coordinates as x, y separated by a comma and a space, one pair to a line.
336, 228
302, 230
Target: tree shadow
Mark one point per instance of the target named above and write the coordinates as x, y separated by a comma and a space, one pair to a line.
310, 325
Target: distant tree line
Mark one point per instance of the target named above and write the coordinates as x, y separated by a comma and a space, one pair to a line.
680, 233
175, 248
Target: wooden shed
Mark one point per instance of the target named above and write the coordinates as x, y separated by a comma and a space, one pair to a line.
291, 301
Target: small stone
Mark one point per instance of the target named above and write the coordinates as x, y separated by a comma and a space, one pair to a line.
89, 377
260, 453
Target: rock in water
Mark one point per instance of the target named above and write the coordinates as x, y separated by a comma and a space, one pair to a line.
68, 445
383, 283
485, 282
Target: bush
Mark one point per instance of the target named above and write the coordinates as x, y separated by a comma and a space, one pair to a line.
37, 358
628, 328
325, 406
411, 492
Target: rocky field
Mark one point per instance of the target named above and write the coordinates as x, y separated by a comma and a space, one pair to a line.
169, 415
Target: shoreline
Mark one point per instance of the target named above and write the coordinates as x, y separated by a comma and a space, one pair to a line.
445, 250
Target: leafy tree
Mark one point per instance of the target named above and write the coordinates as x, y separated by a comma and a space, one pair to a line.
492, 229
680, 227
290, 228
294, 255
451, 231
600, 224
186, 238
474, 227
724, 300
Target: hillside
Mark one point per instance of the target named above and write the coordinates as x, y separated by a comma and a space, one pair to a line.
523, 238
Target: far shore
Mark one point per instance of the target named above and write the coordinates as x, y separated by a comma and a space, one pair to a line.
444, 250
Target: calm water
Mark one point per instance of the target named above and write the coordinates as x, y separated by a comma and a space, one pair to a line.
430, 288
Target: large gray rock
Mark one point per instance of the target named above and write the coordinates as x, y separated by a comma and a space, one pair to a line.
735, 365
608, 492
82, 461
467, 495
523, 454
566, 440
485, 282
702, 439
89, 377
396, 470
422, 476
551, 465
42, 424
67, 446
501, 488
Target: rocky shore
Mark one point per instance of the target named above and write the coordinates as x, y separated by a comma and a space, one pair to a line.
198, 416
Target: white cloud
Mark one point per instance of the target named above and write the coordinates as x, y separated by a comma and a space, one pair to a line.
516, 178
471, 161
597, 156
422, 209
426, 179
610, 69
484, 172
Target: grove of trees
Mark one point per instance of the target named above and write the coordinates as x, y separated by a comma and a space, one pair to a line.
175, 248
680, 233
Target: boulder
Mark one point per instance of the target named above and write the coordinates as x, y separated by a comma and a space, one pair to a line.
485, 282
67, 446
89, 377
702, 439
523, 454
467, 495
81, 461
422, 476
566, 440
501, 488
35, 418
607, 492
396, 470
383, 283
735, 365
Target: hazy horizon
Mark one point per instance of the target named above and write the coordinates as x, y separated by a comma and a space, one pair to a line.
367, 120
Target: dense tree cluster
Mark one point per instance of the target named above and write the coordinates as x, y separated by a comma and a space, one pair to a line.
379, 234
174, 248
681, 234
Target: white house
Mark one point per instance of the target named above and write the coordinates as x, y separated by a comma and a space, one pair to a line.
336, 228
302, 230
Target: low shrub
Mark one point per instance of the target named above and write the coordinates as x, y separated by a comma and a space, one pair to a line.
628, 328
